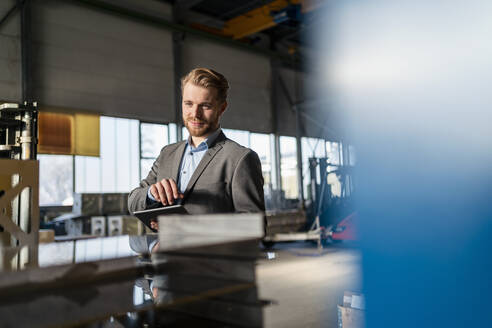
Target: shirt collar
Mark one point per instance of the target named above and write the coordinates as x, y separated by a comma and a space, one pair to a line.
207, 142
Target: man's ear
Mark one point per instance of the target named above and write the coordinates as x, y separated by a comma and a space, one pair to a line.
223, 107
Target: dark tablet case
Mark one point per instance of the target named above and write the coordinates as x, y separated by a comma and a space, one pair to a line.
147, 215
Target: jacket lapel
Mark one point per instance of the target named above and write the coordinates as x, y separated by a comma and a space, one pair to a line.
177, 157
209, 155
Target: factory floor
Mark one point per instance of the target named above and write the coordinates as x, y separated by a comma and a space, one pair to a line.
307, 285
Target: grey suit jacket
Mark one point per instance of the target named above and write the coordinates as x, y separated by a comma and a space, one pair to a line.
228, 179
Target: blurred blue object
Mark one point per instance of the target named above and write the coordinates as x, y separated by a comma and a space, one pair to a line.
411, 85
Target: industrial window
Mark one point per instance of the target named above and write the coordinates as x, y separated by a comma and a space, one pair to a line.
311, 147
184, 132
262, 145
338, 155
152, 138
173, 135
239, 136
55, 180
288, 167
116, 170
333, 152
352, 155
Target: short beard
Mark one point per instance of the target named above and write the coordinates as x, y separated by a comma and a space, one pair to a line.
194, 133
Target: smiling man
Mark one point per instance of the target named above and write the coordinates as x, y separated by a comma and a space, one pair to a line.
207, 173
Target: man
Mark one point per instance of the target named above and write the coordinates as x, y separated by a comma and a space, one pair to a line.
207, 173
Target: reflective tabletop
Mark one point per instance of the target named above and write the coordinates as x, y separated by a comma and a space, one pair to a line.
136, 281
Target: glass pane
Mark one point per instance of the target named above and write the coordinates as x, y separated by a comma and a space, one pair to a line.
341, 153
126, 157
172, 133
134, 147
185, 133
87, 174
273, 155
352, 154
108, 154
335, 185
239, 136
334, 158
260, 143
55, 180
288, 166
333, 152
311, 147
116, 170
154, 137
145, 166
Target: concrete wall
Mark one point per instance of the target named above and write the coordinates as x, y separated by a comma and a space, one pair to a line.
10, 55
90, 60
86, 59
286, 117
302, 88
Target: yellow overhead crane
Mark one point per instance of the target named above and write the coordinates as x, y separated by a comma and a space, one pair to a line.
262, 18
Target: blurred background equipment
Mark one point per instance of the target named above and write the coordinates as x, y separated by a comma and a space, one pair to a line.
18, 130
100, 203
327, 217
19, 207
336, 213
96, 214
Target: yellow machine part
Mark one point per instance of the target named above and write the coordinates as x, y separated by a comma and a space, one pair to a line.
260, 19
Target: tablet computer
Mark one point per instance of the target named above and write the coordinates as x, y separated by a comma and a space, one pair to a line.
147, 215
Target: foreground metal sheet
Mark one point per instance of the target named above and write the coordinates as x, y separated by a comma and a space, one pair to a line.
210, 283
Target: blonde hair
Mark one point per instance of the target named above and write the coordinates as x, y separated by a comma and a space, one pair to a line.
208, 78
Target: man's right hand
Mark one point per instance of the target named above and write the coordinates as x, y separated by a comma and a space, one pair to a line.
165, 191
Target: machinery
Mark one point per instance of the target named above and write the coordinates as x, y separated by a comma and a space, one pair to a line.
97, 214
326, 218
336, 214
18, 130
19, 209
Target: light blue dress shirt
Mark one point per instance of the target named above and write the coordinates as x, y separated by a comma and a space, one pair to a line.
190, 160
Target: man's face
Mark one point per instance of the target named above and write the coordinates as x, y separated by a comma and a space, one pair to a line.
201, 110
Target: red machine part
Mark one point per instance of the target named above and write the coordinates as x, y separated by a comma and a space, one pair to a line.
346, 229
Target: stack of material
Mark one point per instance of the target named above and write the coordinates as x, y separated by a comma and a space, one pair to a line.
285, 222
100, 204
213, 285
203, 275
